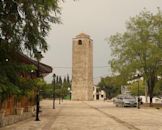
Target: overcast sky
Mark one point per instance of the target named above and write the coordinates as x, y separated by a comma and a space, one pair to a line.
99, 19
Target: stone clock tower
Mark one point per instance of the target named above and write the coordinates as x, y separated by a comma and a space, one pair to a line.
82, 68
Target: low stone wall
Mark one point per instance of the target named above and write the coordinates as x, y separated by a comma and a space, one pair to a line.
11, 119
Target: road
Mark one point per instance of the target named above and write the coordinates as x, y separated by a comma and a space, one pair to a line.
91, 115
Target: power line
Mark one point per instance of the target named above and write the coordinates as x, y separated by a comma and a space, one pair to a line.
65, 67
62, 67
101, 66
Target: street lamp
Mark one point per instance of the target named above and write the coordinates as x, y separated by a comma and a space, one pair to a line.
38, 56
62, 93
138, 103
54, 76
69, 89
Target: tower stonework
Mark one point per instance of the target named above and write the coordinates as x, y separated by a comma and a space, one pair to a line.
82, 68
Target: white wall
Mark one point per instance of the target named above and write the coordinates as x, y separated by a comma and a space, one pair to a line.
154, 100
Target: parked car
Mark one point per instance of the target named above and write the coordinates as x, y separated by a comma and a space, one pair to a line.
125, 100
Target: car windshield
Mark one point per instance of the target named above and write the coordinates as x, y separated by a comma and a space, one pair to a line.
129, 97
126, 97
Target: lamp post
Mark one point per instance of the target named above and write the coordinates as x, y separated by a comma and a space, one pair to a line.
38, 56
54, 76
59, 98
69, 92
62, 93
138, 103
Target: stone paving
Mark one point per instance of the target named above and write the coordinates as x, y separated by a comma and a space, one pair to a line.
92, 115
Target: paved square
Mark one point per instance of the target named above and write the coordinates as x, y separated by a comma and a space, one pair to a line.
91, 115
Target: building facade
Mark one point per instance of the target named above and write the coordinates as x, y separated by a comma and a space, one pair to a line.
82, 68
98, 94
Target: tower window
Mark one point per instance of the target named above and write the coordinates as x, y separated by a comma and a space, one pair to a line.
80, 42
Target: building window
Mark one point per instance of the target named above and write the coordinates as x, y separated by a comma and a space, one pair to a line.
101, 96
80, 42
97, 97
97, 90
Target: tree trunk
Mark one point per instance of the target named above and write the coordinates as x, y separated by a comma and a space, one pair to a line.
151, 96
146, 91
151, 84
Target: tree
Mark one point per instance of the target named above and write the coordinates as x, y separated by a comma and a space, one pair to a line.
133, 88
110, 85
66, 86
61, 88
158, 88
68, 79
25, 24
48, 91
139, 49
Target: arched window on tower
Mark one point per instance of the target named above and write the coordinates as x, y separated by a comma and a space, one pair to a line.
80, 42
